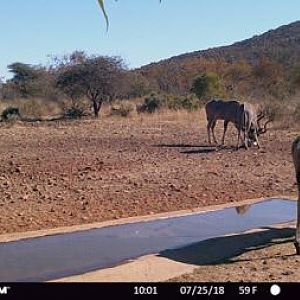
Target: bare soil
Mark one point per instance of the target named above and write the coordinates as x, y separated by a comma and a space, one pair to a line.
65, 173
276, 263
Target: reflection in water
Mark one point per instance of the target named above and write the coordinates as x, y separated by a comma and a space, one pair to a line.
241, 210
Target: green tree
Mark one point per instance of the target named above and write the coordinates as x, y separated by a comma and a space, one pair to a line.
207, 85
31, 81
96, 78
23, 74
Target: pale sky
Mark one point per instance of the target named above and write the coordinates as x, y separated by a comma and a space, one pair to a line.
141, 31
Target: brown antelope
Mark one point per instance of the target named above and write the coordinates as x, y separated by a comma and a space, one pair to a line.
296, 158
242, 115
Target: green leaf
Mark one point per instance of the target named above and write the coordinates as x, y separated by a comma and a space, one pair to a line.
101, 3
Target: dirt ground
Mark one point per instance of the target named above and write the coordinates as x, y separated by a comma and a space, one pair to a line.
277, 263
65, 173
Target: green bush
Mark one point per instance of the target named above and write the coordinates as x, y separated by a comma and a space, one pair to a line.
155, 102
151, 104
189, 103
10, 113
74, 112
208, 85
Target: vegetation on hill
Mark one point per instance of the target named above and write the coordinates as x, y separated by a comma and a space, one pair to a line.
264, 68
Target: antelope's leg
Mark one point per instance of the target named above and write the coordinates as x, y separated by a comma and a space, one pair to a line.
246, 138
239, 137
297, 242
256, 140
224, 133
213, 131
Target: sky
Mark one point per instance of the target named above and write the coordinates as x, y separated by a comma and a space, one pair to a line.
140, 31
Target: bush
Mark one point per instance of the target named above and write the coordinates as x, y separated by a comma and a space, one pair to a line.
189, 103
151, 104
74, 113
38, 108
10, 113
155, 102
208, 85
121, 109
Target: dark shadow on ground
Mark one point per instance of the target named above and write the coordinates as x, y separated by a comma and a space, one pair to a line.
223, 249
201, 150
210, 149
183, 146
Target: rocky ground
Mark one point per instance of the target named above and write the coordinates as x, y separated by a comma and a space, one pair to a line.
65, 173
277, 263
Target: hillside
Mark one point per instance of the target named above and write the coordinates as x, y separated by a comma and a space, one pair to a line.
281, 45
277, 49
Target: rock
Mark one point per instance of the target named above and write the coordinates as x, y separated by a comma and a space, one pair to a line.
287, 273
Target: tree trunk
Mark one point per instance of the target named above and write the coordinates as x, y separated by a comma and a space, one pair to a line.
96, 107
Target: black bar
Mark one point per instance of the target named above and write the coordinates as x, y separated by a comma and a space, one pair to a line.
148, 290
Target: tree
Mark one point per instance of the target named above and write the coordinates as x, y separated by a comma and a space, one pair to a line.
207, 85
31, 81
22, 75
136, 85
96, 78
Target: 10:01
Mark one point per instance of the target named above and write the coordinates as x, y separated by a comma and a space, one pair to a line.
145, 290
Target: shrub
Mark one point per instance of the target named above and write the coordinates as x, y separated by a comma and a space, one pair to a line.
10, 113
37, 108
151, 104
121, 109
189, 103
208, 85
74, 112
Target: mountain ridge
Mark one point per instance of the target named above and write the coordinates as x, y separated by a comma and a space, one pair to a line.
287, 33
266, 65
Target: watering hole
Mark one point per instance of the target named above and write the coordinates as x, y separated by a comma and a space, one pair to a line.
53, 257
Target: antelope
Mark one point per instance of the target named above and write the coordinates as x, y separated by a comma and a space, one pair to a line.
242, 115
296, 158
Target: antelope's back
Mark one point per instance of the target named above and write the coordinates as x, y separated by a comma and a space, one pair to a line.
223, 110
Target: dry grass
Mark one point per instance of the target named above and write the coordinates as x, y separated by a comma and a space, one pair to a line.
34, 108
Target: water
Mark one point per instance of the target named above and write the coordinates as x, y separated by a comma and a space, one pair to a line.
53, 257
